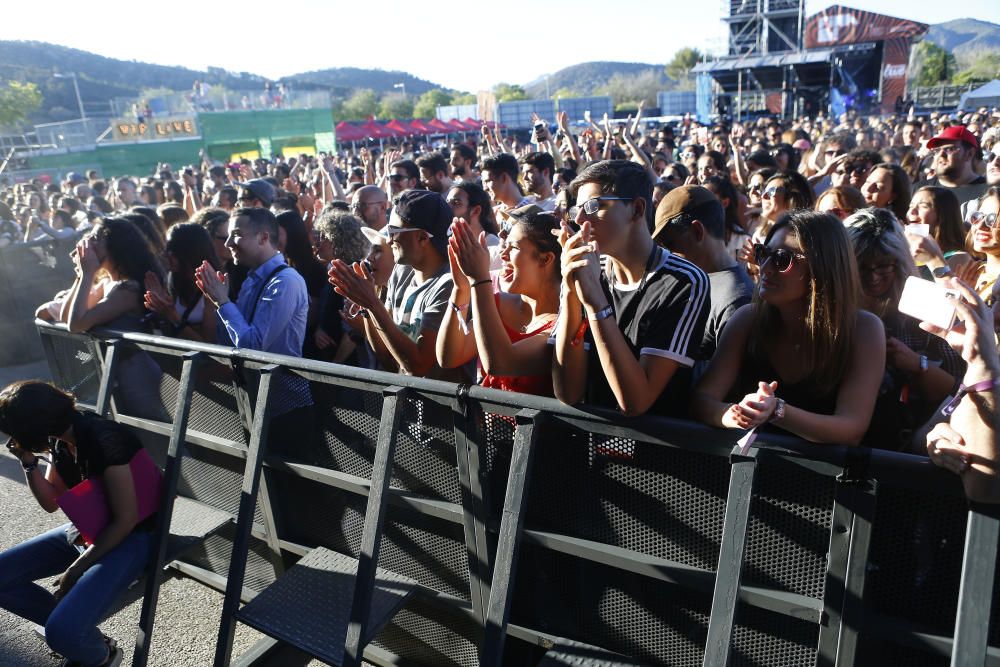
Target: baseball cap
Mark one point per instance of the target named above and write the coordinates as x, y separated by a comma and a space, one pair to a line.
426, 210
260, 189
75, 178
954, 133
692, 200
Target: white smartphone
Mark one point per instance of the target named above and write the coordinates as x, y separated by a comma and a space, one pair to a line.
918, 229
928, 301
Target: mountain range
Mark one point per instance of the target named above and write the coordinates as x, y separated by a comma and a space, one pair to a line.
101, 79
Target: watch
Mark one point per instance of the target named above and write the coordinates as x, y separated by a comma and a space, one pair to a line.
941, 271
779, 410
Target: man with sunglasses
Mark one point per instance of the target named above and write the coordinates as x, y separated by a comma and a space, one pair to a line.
403, 330
628, 333
854, 170
955, 148
403, 175
370, 204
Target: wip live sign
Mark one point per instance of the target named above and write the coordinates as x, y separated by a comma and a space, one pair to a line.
156, 128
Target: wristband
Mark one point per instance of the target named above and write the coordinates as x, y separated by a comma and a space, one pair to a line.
578, 337
460, 311
779, 410
985, 385
602, 314
30, 467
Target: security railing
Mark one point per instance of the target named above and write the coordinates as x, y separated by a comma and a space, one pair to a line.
529, 531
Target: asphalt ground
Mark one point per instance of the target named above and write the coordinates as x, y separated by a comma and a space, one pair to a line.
187, 617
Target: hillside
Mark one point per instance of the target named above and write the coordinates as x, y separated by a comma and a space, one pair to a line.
342, 80
965, 37
585, 78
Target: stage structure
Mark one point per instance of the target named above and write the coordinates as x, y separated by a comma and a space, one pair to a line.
781, 63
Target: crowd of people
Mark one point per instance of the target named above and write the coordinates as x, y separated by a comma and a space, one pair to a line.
747, 275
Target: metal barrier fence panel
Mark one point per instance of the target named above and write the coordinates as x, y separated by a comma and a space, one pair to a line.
850, 556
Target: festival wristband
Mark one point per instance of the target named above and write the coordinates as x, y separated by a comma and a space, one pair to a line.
985, 385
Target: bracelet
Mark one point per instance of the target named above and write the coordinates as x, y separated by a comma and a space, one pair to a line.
984, 385
460, 311
580, 331
602, 314
779, 410
30, 467
457, 308
484, 281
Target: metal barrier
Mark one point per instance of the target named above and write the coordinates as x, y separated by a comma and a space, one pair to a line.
538, 533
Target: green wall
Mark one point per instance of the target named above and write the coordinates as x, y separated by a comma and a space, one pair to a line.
222, 134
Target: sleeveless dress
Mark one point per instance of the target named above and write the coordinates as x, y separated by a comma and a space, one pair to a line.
539, 385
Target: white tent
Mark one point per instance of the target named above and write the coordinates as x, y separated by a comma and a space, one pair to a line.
987, 95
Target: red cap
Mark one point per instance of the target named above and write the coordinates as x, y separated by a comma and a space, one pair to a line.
954, 133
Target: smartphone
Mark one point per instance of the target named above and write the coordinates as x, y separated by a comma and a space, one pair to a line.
927, 301
539, 131
918, 229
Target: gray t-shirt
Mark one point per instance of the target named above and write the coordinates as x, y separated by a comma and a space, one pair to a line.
731, 289
420, 306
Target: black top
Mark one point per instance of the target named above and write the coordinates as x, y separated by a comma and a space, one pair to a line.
664, 315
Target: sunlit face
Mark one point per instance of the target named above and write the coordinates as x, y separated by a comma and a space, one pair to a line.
986, 239
246, 246
609, 225
782, 287
922, 210
706, 169
534, 180
381, 260
773, 200
993, 167
521, 264
878, 188
754, 190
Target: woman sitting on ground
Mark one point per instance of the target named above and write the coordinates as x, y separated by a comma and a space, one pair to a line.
42, 419
180, 305
509, 330
803, 355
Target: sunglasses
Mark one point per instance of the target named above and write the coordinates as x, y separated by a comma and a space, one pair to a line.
783, 258
390, 230
880, 270
397, 177
988, 220
773, 190
593, 205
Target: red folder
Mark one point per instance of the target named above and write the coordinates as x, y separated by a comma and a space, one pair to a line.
86, 504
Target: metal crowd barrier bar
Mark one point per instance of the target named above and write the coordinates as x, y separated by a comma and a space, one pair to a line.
539, 533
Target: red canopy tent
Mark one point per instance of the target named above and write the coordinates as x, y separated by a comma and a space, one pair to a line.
348, 132
458, 125
439, 127
473, 124
376, 130
398, 127
419, 127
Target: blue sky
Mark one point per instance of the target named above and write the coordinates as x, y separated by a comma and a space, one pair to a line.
464, 45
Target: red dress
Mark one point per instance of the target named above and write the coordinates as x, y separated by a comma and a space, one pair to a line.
539, 385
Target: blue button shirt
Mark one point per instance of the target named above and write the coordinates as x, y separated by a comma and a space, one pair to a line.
279, 324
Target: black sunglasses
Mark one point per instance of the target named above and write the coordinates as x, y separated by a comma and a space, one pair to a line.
397, 177
783, 258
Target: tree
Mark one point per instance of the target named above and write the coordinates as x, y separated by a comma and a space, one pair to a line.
509, 92
395, 105
464, 98
984, 67
931, 65
361, 104
17, 102
565, 94
630, 88
427, 104
679, 69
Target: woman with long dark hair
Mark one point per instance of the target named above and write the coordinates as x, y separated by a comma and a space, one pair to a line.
803, 355
180, 305
94, 572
